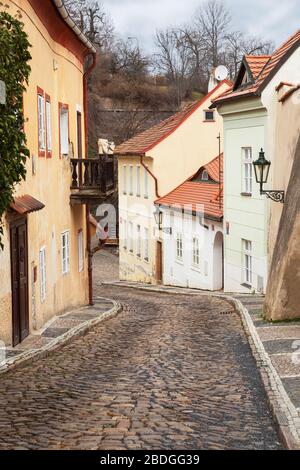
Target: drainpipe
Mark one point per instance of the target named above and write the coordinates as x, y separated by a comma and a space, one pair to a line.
152, 175
88, 228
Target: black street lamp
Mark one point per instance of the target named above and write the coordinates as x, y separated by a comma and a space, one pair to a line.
158, 217
262, 170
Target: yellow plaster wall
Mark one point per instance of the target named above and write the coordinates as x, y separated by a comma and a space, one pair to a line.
51, 182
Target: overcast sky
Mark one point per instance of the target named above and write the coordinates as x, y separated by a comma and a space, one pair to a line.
271, 19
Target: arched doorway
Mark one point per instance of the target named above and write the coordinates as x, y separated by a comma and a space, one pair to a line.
218, 263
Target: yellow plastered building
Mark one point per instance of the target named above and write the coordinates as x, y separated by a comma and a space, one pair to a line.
44, 265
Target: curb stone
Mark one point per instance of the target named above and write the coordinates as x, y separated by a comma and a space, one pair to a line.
66, 338
284, 412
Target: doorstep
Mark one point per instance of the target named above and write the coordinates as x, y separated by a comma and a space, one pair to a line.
60, 330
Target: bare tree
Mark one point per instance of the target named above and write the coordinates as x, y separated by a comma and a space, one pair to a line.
128, 59
212, 24
174, 58
237, 45
92, 19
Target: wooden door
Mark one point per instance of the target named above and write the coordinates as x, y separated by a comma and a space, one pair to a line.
159, 262
19, 274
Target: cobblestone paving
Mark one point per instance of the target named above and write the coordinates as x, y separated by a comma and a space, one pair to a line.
166, 373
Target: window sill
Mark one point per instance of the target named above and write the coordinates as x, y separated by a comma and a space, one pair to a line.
247, 286
209, 121
146, 260
246, 194
146, 197
179, 261
196, 268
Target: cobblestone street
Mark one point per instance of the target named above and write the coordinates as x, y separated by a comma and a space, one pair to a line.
166, 373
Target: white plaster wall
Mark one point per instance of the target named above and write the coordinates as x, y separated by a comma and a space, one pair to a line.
184, 273
246, 216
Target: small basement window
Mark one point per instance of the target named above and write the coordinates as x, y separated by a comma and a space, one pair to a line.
209, 115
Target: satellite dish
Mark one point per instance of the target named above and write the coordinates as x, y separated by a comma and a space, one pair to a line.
221, 73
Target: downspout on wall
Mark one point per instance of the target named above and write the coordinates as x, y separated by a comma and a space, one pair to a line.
152, 176
86, 120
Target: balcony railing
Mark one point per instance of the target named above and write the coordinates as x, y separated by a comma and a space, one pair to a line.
92, 177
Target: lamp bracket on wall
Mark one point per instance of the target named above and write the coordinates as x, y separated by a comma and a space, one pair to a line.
276, 196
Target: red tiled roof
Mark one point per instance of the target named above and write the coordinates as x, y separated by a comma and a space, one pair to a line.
194, 193
145, 141
256, 63
267, 72
26, 204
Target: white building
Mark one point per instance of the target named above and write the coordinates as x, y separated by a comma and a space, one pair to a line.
250, 124
192, 230
152, 164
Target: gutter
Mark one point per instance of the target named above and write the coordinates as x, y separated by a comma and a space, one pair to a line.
67, 18
152, 175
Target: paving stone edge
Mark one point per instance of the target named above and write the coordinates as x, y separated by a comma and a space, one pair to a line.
285, 415
57, 343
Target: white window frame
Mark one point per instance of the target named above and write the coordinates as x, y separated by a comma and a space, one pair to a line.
42, 121
65, 252
64, 130
138, 181
139, 241
49, 125
130, 237
80, 251
124, 179
179, 247
125, 235
196, 252
247, 170
146, 184
205, 115
146, 244
247, 262
42, 264
131, 180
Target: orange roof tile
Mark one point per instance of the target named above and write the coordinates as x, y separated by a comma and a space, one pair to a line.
267, 72
194, 193
26, 204
256, 63
145, 141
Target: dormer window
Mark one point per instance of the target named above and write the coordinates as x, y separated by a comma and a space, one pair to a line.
209, 115
204, 176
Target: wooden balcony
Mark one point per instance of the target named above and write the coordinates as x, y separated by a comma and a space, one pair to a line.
92, 180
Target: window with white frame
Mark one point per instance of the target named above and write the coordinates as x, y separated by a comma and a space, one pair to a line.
179, 246
41, 121
247, 262
247, 170
65, 252
146, 183
80, 252
138, 181
209, 115
196, 256
64, 129
131, 179
49, 125
124, 234
139, 241
124, 179
130, 236
146, 244
43, 274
